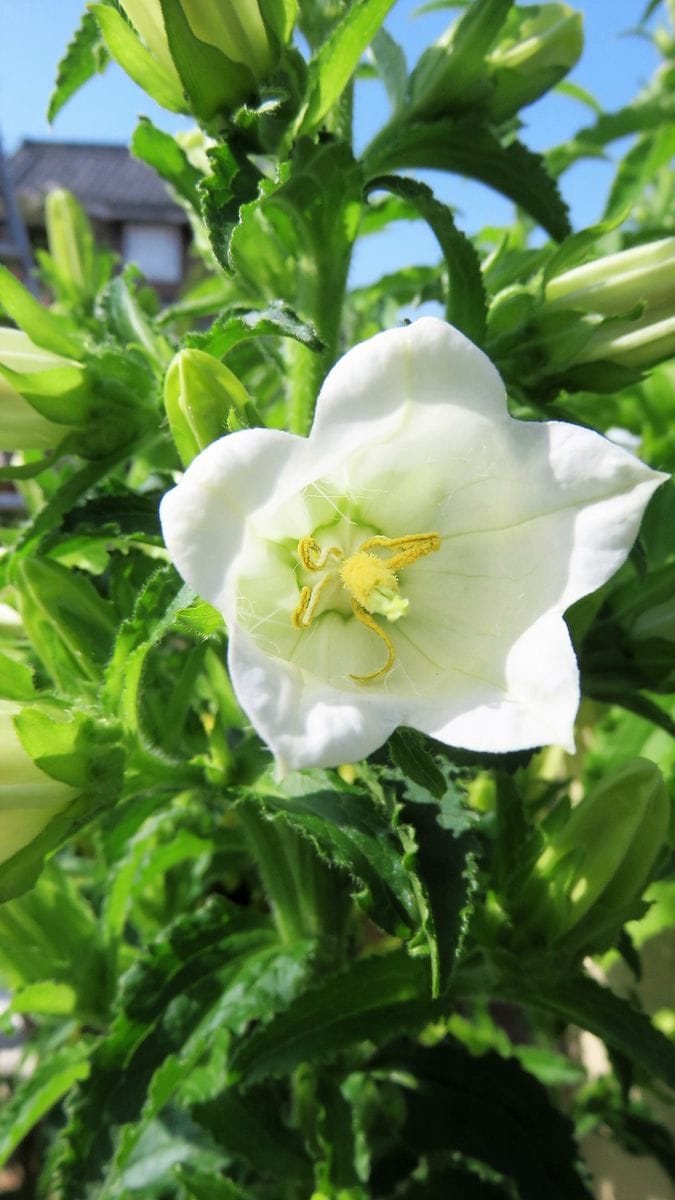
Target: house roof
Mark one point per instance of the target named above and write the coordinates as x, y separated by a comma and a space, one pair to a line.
108, 182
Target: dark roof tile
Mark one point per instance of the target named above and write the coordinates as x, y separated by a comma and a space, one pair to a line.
108, 182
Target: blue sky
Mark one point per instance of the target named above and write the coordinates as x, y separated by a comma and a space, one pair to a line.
34, 34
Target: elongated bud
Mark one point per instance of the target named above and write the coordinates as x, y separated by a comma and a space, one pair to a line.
613, 285
538, 45
22, 427
586, 882
200, 395
79, 269
29, 798
497, 57
602, 323
452, 75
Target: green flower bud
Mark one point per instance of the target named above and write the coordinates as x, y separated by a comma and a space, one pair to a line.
200, 395
498, 58
29, 798
77, 267
538, 46
201, 56
22, 427
613, 285
586, 882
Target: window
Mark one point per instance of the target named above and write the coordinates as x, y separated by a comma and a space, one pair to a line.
156, 249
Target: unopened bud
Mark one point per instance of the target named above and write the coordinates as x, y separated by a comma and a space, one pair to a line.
199, 395
586, 882
538, 45
22, 427
29, 798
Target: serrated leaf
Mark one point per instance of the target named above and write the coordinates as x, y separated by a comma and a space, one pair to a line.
85, 56
465, 307
489, 1109
373, 999
212, 970
443, 864
249, 1127
468, 147
163, 153
409, 752
36, 1095
352, 832
278, 320
70, 626
581, 1001
333, 66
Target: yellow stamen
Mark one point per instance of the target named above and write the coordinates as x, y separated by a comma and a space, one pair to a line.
372, 585
312, 557
303, 613
412, 547
366, 619
371, 582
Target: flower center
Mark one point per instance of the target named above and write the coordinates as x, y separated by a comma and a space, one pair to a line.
370, 581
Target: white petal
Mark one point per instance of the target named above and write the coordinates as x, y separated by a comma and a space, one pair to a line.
304, 720
427, 362
536, 707
204, 517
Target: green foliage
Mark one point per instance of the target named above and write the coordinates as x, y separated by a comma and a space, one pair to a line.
352, 984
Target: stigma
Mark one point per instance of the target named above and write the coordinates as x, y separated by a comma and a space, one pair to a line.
369, 579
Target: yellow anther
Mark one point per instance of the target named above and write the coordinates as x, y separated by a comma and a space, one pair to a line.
312, 557
366, 619
303, 613
372, 585
370, 581
411, 547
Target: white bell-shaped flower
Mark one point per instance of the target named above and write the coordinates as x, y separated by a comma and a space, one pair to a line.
409, 562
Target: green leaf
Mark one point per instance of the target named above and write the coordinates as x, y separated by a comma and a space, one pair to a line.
491, 1110
70, 626
162, 152
36, 1095
232, 183
638, 169
86, 55
249, 1127
575, 248
644, 115
127, 49
409, 752
200, 1186
16, 679
465, 308
212, 971
443, 864
391, 65
466, 146
373, 999
156, 609
581, 1001
332, 68
295, 240
457, 1182
228, 331
44, 327
381, 212
354, 832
